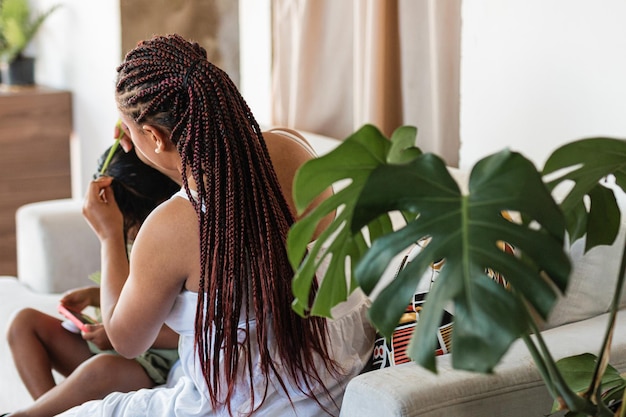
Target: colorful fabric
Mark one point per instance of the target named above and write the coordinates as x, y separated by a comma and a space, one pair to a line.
394, 351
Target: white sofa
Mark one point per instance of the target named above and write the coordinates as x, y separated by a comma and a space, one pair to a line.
57, 251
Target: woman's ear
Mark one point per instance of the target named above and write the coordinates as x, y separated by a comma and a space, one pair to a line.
157, 136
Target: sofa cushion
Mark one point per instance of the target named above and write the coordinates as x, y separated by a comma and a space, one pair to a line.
593, 278
56, 248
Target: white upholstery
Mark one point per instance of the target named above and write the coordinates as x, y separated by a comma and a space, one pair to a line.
515, 389
593, 278
48, 264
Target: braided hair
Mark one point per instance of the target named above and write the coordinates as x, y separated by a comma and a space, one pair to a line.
243, 219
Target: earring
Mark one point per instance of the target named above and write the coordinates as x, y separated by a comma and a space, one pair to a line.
157, 150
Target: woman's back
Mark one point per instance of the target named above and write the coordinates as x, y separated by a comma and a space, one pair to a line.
185, 115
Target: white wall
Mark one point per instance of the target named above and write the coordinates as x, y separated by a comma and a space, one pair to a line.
534, 73
538, 73
78, 49
255, 38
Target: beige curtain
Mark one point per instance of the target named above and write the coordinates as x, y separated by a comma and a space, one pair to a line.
340, 64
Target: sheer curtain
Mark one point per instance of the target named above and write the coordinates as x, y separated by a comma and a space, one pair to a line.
340, 64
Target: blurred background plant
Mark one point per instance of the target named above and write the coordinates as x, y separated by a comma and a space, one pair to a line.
18, 26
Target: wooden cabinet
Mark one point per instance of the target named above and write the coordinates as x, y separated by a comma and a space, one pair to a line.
35, 127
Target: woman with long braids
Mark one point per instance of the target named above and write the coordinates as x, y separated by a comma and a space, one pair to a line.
211, 262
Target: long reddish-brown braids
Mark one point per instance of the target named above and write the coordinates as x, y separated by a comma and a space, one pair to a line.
243, 217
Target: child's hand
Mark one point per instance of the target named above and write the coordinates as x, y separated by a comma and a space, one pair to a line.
98, 336
80, 298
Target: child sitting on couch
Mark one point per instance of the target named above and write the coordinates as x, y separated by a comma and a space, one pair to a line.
40, 343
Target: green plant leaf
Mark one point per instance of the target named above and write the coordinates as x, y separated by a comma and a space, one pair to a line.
464, 230
348, 165
586, 162
403, 145
578, 371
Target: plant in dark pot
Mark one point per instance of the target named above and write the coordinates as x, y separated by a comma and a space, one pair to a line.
18, 26
384, 179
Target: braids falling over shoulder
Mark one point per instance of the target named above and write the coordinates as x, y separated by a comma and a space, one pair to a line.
244, 218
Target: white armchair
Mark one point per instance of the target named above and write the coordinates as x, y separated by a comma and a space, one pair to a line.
46, 262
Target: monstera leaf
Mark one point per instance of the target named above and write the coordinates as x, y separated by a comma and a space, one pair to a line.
586, 163
464, 230
578, 372
386, 176
377, 177
350, 163
592, 165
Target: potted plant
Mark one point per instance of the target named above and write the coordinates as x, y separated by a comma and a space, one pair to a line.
17, 29
392, 175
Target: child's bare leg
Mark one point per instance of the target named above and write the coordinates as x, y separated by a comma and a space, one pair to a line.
94, 379
39, 344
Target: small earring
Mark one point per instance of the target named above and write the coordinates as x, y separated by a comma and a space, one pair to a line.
157, 150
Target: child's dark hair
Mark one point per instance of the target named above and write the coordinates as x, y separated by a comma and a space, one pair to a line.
138, 188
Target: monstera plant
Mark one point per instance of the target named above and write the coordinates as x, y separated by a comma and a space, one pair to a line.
379, 176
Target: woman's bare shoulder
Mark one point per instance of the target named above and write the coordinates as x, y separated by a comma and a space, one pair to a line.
174, 215
169, 237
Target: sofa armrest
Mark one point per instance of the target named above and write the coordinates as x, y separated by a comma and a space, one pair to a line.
56, 248
515, 389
